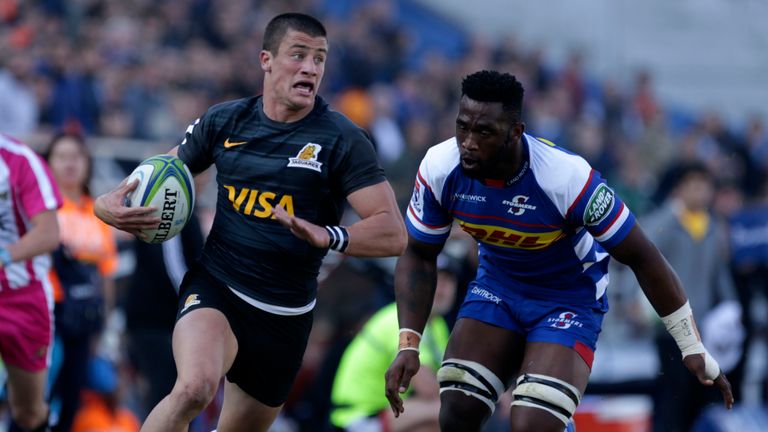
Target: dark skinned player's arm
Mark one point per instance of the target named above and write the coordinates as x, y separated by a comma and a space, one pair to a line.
415, 283
656, 278
663, 289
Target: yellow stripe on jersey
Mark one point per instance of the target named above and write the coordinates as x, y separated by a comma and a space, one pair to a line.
546, 141
505, 237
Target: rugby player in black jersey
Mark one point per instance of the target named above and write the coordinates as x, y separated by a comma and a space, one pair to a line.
285, 164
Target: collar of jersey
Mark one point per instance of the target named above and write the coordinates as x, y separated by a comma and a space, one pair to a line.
496, 183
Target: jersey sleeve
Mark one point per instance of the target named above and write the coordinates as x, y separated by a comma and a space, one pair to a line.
426, 220
359, 167
37, 191
196, 149
601, 212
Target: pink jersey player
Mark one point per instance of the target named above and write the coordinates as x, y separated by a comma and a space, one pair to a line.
28, 231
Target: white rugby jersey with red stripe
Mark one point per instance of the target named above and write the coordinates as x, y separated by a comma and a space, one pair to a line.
543, 234
27, 188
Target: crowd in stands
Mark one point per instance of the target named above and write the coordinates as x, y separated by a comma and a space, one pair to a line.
145, 69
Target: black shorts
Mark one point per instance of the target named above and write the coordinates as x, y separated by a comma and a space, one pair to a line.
270, 347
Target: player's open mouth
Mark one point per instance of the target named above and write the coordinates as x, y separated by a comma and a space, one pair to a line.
468, 163
304, 87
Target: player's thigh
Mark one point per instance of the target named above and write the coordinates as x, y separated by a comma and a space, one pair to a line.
498, 349
204, 346
552, 379
242, 412
26, 390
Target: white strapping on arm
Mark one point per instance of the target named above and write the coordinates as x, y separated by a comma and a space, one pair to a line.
681, 326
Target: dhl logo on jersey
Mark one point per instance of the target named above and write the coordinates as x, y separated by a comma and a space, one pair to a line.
254, 202
510, 238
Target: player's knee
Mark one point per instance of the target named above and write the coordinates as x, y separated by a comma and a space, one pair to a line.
461, 413
468, 392
530, 420
543, 402
194, 395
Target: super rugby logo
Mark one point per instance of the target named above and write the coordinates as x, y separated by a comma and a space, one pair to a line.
565, 320
307, 158
519, 205
417, 201
599, 206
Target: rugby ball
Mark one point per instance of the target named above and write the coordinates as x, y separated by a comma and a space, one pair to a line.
165, 183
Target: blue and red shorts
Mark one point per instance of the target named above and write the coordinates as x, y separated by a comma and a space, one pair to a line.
561, 322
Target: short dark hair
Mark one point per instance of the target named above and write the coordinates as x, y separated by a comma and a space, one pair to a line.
493, 86
279, 26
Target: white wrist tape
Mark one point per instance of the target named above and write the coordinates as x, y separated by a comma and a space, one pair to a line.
681, 326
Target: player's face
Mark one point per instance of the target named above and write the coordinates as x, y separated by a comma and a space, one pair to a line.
486, 138
293, 75
69, 164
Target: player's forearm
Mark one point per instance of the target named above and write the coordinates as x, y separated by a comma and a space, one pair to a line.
656, 278
42, 238
379, 235
660, 285
415, 282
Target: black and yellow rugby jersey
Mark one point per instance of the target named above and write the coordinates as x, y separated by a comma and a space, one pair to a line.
309, 167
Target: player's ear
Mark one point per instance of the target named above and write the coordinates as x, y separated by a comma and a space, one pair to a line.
265, 58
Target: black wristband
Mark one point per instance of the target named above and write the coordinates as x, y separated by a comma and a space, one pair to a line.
339, 238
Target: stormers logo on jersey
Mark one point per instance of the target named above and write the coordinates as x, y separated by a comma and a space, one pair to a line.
599, 206
565, 320
518, 204
307, 158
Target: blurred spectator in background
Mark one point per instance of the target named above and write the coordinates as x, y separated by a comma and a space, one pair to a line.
101, 410
693, 241
29, 198
149, 323
82, 271
19, 108
749, 266
358, 403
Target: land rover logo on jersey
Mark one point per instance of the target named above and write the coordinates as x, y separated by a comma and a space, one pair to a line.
599, 206
307, 158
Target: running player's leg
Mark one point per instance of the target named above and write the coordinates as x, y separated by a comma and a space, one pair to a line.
204, 348
25, 390
479, 361
552, 379
270, 352
241, 412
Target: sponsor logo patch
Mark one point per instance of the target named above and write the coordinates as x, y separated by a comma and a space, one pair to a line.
469, 198
599, 206
486, 295
307, 158
505, 237
229, 144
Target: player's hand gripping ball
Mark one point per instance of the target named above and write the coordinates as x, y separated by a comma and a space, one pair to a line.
165, 183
